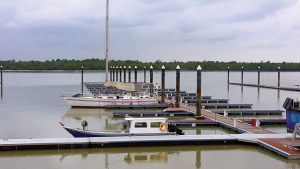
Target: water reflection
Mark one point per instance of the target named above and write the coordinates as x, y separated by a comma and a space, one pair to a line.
203, 156
98, 119
1, 91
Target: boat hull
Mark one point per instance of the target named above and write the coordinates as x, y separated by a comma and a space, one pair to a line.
86, 133
86, 102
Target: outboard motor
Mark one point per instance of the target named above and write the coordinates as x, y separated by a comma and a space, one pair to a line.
173, 128
84, 125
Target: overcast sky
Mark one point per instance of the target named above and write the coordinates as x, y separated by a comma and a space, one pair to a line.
223, 30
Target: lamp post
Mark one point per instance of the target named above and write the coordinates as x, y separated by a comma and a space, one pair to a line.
258, 75
151, 81
82, 80
163, 87
278, 83
177, 104
198, 104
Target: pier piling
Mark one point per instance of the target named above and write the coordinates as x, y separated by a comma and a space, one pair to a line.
113, 73
110, 73
163, 87
151, 81
82, 80
278, 83
198, 104
129, 74
228, 70
124, 74
258, 75
135, 74
1, 75
242, 74
120, 77
144, 74
177, 103
117, 73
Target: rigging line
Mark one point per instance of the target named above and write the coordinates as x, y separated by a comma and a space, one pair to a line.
89, 29
128, 32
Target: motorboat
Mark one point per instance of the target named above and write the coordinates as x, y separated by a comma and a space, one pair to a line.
131, 127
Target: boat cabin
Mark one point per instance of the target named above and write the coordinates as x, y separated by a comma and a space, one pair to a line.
146, 125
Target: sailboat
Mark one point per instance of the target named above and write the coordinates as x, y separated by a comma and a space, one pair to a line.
128, 96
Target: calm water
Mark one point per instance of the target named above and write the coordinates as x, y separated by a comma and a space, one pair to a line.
31, 107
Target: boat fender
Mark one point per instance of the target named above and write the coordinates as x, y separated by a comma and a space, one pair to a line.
163, 126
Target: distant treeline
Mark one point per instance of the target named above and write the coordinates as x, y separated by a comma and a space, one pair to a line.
97, 64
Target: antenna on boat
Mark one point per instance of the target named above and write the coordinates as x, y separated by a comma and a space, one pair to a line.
106, 40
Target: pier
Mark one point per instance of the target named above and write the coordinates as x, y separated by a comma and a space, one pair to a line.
274, 142
250, 112
267, 86
151, 114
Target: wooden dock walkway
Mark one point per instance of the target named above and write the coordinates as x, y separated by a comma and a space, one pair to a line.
267, 86
227, 121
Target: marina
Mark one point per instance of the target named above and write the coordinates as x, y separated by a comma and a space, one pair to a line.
176, 85
104, 118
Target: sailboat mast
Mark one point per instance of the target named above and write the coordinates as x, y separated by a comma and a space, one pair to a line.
106, 40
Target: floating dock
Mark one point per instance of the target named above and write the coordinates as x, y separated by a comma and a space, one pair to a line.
151, 114
150, 106
225, 106
278, 143
193, 123
250, 112
204, 100
267, 86
267, 121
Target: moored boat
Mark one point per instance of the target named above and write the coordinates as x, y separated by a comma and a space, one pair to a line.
105, 100
130, 95
131, 127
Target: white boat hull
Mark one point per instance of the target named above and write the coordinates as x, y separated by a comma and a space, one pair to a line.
99, 102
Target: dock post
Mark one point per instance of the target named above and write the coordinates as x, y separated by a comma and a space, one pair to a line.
151, 81
228, 70
1, 75
242, 74
144, 74
110, 73
129, 74
258, 75
177, 103
81, 81
198, 104
257, 123
113, 69
225, 113
163, 76
1, 81
120, 77
135, 74
124, 74
117, 73
278, 83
